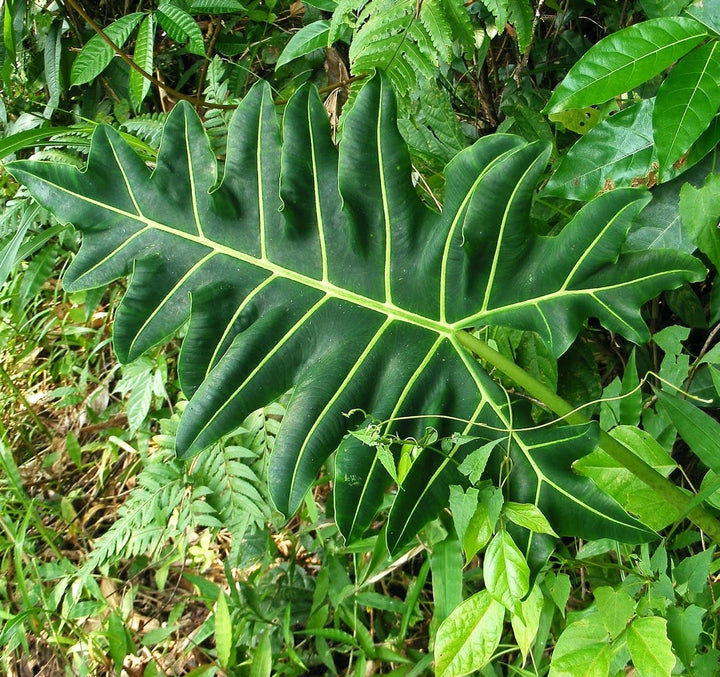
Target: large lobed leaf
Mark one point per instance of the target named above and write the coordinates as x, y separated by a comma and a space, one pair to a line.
321, 271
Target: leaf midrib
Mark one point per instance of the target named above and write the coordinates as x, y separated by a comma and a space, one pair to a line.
391, 310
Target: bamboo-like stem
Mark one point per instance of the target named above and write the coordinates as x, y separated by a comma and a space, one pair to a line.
663, 487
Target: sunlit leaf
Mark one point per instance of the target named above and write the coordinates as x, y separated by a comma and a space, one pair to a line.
624, 60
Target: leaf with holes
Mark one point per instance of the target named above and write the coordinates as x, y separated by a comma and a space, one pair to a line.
320, 271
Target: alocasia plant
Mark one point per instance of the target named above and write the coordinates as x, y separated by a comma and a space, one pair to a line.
321, 271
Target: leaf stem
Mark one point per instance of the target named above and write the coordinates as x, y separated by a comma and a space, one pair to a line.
663, 487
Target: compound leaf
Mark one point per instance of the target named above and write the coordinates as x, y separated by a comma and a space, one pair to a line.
97, 54
320, 271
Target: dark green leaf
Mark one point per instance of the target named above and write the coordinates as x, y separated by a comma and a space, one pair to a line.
215, 6
97, 54
181, 27
684, 628
51, 54
446, 564
307, 39
323, 296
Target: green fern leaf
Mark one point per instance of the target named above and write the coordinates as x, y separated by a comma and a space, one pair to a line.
433, 18
521, 17
459, 21
344, 18
499, 10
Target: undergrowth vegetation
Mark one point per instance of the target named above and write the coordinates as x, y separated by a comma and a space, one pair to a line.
383, 339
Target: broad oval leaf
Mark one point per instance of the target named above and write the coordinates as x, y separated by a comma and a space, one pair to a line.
307, 39
582, 650
616, 153
624, 60
505, 571
686, 103
181, 27
321, 271
97, 54
650, 648
468, 637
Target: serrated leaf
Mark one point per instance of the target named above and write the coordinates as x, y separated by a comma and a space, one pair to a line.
650, 648
323, 296
520, 14
474, 463
307, 39
616, 153
181, 27
467, 639
51, 55
506, 573
686, 103
97, 54
624, 60
143, 57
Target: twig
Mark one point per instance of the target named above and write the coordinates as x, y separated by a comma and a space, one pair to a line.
155, 81
517, 75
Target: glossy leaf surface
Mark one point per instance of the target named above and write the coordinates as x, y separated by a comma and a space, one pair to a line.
307, 39
322, 272
686, 103
616, 153
624, 60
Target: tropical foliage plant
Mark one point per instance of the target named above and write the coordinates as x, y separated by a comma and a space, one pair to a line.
482, 382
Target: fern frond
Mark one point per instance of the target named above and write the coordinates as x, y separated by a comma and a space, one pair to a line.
143, 525
499, 10
344, 17
521, 17
458, 19
412, 42
147, 127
